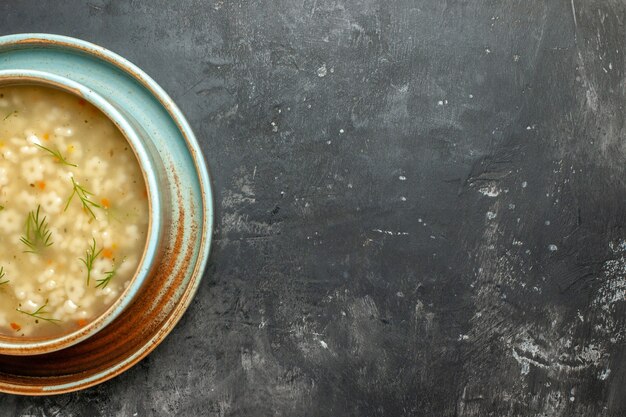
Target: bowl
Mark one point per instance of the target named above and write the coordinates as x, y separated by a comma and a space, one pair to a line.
156, 184
187, 222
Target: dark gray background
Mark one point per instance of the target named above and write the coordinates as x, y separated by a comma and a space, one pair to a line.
420, 206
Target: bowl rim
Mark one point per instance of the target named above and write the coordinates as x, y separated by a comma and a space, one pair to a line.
34, 346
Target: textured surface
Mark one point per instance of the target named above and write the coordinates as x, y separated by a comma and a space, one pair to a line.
419, 204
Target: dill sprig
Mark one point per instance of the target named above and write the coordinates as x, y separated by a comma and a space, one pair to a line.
37, 236
39, 313
57, 154
102, 283
2, 274
90, 256
10, 114
84, 196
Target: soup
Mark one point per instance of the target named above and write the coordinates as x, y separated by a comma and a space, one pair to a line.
73, 212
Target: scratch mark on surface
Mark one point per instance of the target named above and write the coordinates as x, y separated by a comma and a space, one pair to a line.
574, 15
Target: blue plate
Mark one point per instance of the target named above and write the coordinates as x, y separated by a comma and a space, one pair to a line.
169, 292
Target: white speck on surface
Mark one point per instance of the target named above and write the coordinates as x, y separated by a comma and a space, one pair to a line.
419, 220
610, 65
324, 344
604, 374
511, 206
547, 222
402, 178
390, 233
440, 103
487, 50
524, 184
491, 215
350, 185
402, 198
328, 142
341, 131
525, 368
400, 294
471, 96
552, 247
489, 191
515, 58
322, 71
463, 337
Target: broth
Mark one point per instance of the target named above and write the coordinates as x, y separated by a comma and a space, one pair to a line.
73, 212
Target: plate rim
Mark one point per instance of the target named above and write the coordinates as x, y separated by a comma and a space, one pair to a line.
201, 169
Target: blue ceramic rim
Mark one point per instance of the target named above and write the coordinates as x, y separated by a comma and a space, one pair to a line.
155, 213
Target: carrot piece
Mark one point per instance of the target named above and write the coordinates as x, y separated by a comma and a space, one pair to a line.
82, 102
46, 136
107, 253
16, 327
105, 203
82, 322
41, 185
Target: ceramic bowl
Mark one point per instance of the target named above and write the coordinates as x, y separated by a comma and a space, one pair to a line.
121, 339
151, 166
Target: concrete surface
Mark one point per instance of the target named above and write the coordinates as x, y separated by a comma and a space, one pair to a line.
420, 204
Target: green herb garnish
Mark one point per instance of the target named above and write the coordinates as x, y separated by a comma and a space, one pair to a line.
39, 313
37, 236
102, 283
84, 196
90, 256
2, 276
57, 154
1, 208
10, 114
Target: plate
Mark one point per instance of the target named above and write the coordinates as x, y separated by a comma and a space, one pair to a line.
169, 291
